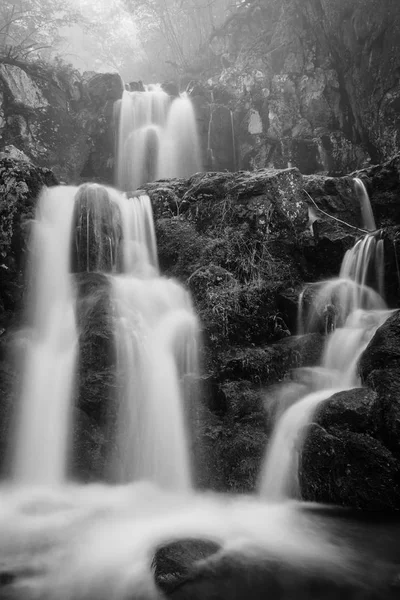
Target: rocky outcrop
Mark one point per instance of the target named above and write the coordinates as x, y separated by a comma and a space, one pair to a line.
310, 83
352, 450
59, 118
20, 184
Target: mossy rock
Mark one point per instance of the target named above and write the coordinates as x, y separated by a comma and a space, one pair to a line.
20, 185
350, 469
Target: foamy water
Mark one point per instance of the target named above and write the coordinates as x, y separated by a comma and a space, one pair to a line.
155, 335
98, 542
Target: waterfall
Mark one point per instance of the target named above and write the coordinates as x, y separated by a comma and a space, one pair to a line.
44, 410
157, 138
95, 228
350, 311
155, 329
367, 215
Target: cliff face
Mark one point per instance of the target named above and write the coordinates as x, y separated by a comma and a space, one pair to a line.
313, 83
59, 118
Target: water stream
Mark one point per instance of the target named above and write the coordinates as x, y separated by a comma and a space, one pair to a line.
351, 308
95, 228
43, 420
157, 138
64, 541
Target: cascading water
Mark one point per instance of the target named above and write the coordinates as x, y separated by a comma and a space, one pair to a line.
366, 210
94, 228
43, 417
96, 542
351, 311
155, 329
157, 138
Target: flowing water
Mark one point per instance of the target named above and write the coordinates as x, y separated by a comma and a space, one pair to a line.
94, 228
366, 210
350, 311
157, 138
60, 541
44, 410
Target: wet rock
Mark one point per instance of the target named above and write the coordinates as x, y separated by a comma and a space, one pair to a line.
379, 368
253, 574
267, 365
174, 562
383, 351
352, 410
348, 455
97, 231
335, 196
348, 468
96, 344
382, 182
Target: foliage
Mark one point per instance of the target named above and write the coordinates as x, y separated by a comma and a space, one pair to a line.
28, 27
13, 192
173, 31
110, 36
20, 183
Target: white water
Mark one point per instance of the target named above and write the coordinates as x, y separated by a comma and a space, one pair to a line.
157, 138
368, 220
351, 311
156, 336
154, 326
97, 542
156, 330
43, 415
338, 372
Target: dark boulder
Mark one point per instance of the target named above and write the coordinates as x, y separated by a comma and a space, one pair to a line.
380, 370
383, 351
174, 562
347, 468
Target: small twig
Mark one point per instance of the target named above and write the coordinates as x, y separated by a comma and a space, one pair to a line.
335, 218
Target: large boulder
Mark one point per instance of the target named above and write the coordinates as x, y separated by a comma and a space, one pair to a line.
351, 454
380, 370
344, 460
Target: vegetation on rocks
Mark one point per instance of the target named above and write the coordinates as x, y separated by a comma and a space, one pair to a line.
20, 184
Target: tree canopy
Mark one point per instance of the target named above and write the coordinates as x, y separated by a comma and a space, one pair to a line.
148, 39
